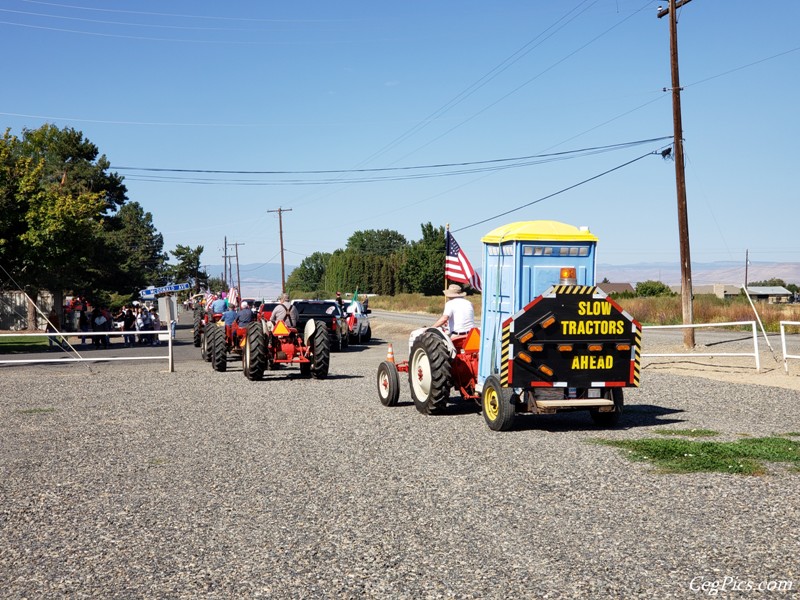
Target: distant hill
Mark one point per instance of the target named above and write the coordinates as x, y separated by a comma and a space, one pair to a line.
264, 280
702, 273
258, 280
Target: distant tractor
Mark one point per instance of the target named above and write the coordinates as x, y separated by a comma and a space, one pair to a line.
267, 346
550, 341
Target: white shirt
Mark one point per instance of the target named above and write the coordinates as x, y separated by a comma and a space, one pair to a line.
460, 315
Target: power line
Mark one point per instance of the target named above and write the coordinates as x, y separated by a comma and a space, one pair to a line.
384, 169
400, 173
561, 191
182, 16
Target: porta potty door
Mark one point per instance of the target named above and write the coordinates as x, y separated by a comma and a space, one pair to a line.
520, 262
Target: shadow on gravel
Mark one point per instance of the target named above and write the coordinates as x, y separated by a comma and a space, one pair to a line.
638, 415
277, 376
355, 348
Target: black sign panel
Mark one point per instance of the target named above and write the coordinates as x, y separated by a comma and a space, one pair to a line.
574, 336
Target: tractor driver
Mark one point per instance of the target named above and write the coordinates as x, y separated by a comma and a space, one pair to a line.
244, 315
285, 312
219, 305
458, 312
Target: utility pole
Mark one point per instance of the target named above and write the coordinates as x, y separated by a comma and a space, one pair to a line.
746, 264
225, 261
280, 212
238, 277
680, 176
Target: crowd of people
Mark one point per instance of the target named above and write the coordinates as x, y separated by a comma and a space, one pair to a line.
81, 317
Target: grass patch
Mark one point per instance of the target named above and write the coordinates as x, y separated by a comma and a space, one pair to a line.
35, 411
791, 434
688, 432
17, 344
745, 457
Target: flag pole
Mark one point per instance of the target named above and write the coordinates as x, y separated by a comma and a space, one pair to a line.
447, 232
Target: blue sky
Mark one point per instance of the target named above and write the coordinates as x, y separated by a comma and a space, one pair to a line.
349, 85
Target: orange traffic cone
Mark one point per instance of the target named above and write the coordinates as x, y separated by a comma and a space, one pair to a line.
390, 354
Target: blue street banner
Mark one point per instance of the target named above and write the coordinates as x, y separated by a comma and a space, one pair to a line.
176, 287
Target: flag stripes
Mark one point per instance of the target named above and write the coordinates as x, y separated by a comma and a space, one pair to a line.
457, 266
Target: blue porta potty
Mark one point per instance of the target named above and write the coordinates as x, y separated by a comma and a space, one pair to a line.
520, 262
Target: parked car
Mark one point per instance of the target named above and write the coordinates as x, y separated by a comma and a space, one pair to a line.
358, 322
265, 309
331, 314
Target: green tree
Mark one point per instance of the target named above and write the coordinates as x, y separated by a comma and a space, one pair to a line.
423, 266
188, 267
217, 285
134, 256
382, 242
653, 288
309, 276
64, 221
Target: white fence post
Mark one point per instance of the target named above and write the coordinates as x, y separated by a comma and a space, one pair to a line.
786, 355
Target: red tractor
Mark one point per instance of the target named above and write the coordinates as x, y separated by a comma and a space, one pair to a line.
436, 364
263, 346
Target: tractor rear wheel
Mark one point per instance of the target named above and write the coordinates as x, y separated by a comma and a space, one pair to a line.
320, 351
429, 373
388, 383
219, 349
254, 353
609, 419
197, 328
498, 405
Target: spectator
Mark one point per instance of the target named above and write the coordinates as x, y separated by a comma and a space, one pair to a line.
156, 326
83, 325
129, 324
98, 325
144, 323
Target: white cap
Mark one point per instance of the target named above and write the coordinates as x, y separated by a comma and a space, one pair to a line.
244, 304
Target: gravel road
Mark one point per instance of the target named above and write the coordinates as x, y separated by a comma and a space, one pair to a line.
124, 480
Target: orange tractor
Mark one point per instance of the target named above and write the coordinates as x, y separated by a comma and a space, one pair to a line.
263, 345
436, 364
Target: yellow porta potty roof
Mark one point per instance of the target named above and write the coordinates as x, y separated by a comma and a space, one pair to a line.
538, 231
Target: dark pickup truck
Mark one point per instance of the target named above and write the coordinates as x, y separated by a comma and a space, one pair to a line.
331, 314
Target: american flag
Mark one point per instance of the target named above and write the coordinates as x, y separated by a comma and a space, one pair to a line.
457, 266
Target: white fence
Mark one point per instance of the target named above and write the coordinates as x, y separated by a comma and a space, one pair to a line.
71, 354
783, 343
752, 325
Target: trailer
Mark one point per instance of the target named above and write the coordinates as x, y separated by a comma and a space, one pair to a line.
550, 340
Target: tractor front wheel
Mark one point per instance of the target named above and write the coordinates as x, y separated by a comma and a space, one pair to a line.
388, 383
320, 351
429, 373
254, 353
498, 405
